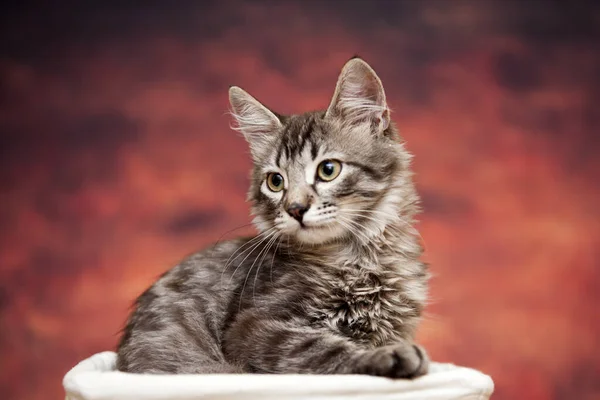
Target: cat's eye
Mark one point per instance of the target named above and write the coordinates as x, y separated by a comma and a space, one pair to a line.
275, 182
328, 170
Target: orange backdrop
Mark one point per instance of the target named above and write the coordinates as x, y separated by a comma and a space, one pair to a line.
116, 160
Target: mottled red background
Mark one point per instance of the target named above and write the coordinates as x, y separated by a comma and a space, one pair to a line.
116, 160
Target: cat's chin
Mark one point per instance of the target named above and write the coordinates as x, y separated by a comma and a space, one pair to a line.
316, 235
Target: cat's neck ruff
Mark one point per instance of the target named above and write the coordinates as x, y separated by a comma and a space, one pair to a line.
386, 239
395, 242
378, 284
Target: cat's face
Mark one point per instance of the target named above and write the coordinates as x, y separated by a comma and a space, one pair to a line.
323, 176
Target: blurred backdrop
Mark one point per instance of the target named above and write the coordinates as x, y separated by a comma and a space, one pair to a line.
116, 160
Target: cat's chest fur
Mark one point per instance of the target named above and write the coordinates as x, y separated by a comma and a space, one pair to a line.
375, 298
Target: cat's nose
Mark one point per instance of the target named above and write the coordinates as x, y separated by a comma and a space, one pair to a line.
297, 211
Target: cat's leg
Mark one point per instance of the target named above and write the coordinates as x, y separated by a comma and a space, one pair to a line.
170, 352
265, 345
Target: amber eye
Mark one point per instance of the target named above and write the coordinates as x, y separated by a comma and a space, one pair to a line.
328, 170
275, 182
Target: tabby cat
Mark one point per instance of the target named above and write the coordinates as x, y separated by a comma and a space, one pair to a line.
332, 284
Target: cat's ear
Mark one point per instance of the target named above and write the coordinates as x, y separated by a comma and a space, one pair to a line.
257, 123
359, 97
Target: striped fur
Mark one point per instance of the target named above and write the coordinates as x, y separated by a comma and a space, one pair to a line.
342, 291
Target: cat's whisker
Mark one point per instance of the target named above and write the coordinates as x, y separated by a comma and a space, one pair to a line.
241, 249
273, 259
365, 214
374, 219
252, 266
401, 252
360, 229
379, 224
367, 210
376, 212
257, 241
346, 223
229, 231
244, 246
346, 216
395, 216
267, 248
337, 238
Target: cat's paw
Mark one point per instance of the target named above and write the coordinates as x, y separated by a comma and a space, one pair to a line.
395, 361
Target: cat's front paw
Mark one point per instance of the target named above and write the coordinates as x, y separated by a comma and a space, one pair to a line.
395, 361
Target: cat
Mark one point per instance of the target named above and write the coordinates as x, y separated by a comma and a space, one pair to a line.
332, 284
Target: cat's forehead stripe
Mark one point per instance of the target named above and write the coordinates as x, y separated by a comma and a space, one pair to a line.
314, 150
297, 133
305, 133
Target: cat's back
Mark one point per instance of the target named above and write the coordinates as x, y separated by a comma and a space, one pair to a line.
183, 311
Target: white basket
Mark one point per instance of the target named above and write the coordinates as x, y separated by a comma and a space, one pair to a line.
96, 378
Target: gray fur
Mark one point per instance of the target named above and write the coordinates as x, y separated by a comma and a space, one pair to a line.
341, 292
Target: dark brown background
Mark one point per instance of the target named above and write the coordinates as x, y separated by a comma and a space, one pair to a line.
116, 160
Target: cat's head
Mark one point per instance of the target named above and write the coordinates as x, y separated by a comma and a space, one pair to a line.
326, 175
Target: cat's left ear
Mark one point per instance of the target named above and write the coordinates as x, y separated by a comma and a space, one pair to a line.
258, 124
359, 97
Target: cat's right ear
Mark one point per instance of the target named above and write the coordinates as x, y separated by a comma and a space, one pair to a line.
359, 97
257, 123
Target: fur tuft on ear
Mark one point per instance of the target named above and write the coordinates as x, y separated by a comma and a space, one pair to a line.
359, 96
257, 123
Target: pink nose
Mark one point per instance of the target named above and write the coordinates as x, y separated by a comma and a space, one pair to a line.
297, 211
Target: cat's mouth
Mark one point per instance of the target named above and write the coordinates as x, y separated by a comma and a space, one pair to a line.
304, 227
308, 225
